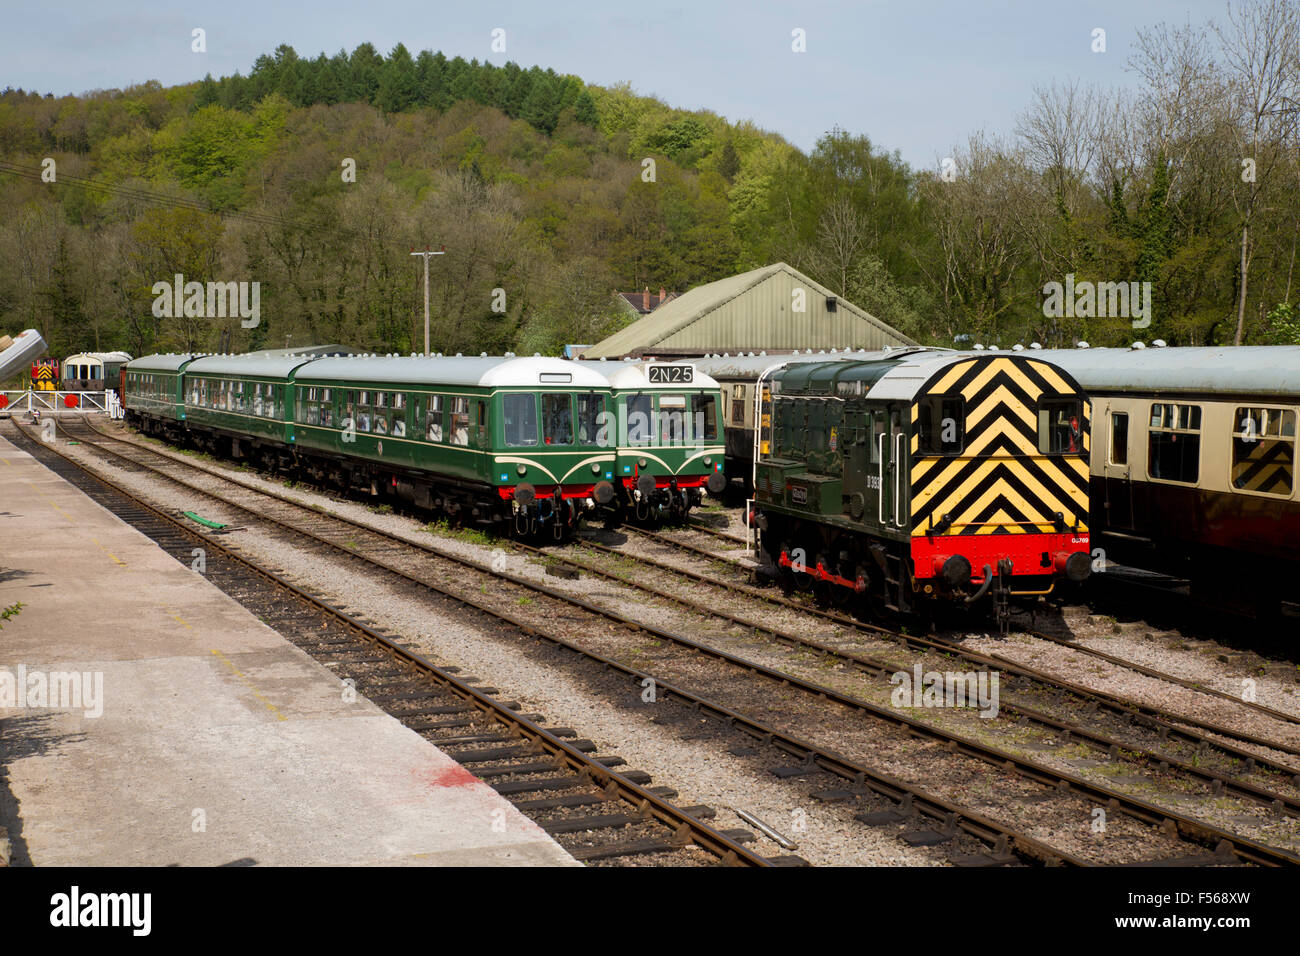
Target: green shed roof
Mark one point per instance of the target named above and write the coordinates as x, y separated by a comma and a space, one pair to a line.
750, 311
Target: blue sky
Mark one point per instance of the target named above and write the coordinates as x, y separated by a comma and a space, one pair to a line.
914, 75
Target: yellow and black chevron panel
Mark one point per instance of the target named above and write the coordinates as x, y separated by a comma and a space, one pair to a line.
1000, 483
1262, 465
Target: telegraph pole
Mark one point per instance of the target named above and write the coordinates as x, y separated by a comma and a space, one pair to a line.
425, 254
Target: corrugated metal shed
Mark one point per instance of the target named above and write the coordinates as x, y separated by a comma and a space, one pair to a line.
750, 312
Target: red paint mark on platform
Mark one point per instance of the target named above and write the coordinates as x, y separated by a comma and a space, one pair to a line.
453, 776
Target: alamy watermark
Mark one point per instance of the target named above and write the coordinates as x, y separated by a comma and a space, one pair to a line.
1085, 299
56, 690
977, 689
212, 300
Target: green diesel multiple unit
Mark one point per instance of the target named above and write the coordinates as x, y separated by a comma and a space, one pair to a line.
527, 444
669, 443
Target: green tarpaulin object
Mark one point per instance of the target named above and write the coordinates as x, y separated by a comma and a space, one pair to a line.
204, 521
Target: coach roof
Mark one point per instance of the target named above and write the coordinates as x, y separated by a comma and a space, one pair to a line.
255, 365
1270, 370
160, 363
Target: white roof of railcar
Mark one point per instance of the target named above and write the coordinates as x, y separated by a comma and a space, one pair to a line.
478, 371
632, 374
97, 358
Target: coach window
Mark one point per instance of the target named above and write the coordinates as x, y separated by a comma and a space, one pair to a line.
433, 419
1119, 438
399, 415
326, 408
1174, 443
1263, 450
347, 409
1060, 427
363, 411
557, 418
704, 417
738, 405
639, 423
941, 424
590, 407
459, 420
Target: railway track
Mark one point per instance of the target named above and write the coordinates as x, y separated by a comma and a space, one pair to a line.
1220, 781
1116, 703
597, 812
734, 540
1001, 837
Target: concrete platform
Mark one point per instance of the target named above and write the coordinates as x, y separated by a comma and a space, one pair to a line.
212, 740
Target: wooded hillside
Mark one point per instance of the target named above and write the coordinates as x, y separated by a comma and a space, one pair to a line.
539, 185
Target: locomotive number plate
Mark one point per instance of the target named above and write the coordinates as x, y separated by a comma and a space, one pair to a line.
670, 374
799, 494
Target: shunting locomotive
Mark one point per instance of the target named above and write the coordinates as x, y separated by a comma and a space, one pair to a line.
905, 478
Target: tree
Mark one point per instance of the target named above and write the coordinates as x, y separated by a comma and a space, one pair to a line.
1260, 47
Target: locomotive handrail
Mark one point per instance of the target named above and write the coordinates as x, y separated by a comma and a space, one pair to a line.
898, 476
880, 476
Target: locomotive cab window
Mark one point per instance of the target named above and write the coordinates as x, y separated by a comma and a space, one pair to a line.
1263, 450
1174, 443
941, 425
1060, 427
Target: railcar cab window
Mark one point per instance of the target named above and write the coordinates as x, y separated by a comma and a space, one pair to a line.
639, 419
1174, 443
704, 417
591, 405
459, 420
941, 425
672, 419
519, 410
1263, 450
557, 419
1060, 427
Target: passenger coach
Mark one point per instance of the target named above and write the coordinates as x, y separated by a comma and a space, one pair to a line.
1193, 472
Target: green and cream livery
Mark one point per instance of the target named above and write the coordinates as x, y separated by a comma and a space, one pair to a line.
669, 442
527, 444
